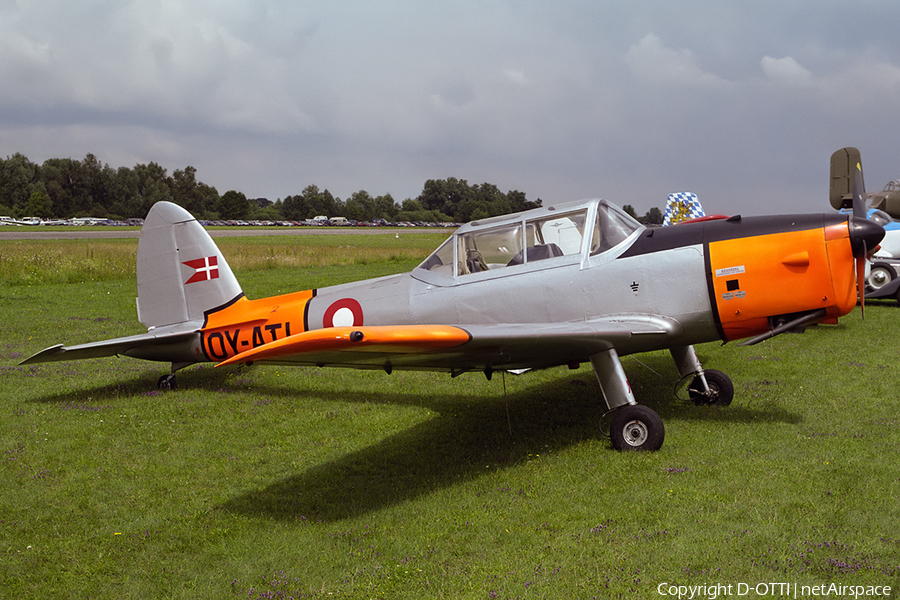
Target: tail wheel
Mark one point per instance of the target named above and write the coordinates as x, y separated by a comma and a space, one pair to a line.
167, 382
635, 427
721, 390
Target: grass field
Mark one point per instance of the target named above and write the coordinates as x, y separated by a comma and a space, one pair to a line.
275, 482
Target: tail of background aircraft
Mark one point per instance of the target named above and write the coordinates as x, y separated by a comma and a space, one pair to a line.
181, 274
682, 206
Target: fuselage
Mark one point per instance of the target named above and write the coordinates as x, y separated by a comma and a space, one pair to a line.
715, 280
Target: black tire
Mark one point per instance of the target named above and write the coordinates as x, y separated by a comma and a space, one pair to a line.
637, 428
880, 275
167, 382
721, 390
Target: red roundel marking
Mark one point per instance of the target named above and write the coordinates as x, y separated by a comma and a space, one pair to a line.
341, 308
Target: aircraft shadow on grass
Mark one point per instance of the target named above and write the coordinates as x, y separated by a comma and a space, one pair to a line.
468, 436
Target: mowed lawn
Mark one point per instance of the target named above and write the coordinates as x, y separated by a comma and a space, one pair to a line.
274, 482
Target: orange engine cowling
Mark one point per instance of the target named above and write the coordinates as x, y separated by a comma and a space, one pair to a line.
759, 280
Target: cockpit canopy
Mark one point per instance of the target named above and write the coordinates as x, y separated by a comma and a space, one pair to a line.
879, 217
545, 233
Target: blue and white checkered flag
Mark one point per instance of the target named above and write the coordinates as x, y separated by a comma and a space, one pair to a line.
682, 207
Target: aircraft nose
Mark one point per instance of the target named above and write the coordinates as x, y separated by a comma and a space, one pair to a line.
864, 236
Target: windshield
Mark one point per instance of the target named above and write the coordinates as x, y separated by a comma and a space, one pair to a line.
612, 227
441, 260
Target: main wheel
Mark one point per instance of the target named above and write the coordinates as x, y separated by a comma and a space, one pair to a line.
721, 390
637, 427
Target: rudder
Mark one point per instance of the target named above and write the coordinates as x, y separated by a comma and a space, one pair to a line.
682, 206
181, 273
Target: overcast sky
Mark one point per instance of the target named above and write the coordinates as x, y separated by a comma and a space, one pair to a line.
740, 102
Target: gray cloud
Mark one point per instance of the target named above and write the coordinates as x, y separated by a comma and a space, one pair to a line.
741, 104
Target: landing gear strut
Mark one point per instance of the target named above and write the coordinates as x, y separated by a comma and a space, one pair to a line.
634, 426
637, 427
721, 390
709, 387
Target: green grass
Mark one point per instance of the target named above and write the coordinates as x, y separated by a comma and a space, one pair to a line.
30, 262
278, 482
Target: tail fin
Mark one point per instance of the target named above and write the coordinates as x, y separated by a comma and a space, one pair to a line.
847, 187
682, 207
181, 273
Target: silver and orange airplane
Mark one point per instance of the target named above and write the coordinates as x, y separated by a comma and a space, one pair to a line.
560, 285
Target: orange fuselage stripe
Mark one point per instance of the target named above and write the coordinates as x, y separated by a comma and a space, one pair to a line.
248, 324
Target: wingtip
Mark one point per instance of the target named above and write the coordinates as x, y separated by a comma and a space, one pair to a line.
44, 355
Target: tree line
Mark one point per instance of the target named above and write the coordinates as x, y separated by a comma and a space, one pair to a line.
66, 188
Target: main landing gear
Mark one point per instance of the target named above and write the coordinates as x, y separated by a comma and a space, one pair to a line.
638, 427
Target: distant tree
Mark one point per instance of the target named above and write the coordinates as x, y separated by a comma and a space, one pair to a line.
462, 202
360, 206
518, 202
448, 196
278, 207
630, 210
385, 207
88, 187
269, 213
186, 191
95, 181
320, 202
296, 208
654, 216
410, 205
57, 173
412, 210
234, 205
17, 173
153, 186
39, 204
124, 190
211, 199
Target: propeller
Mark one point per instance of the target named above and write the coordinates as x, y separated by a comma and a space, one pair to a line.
848, 190
860, 283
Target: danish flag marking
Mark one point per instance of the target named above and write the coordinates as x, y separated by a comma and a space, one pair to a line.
204, 269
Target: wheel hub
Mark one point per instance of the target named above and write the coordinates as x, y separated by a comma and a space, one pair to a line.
635, 433
878, 278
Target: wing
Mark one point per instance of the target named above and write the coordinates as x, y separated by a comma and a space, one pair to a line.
460, 348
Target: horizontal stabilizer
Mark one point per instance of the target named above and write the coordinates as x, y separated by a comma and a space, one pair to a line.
157, 344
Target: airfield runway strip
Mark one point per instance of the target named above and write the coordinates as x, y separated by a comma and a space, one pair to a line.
32, 234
